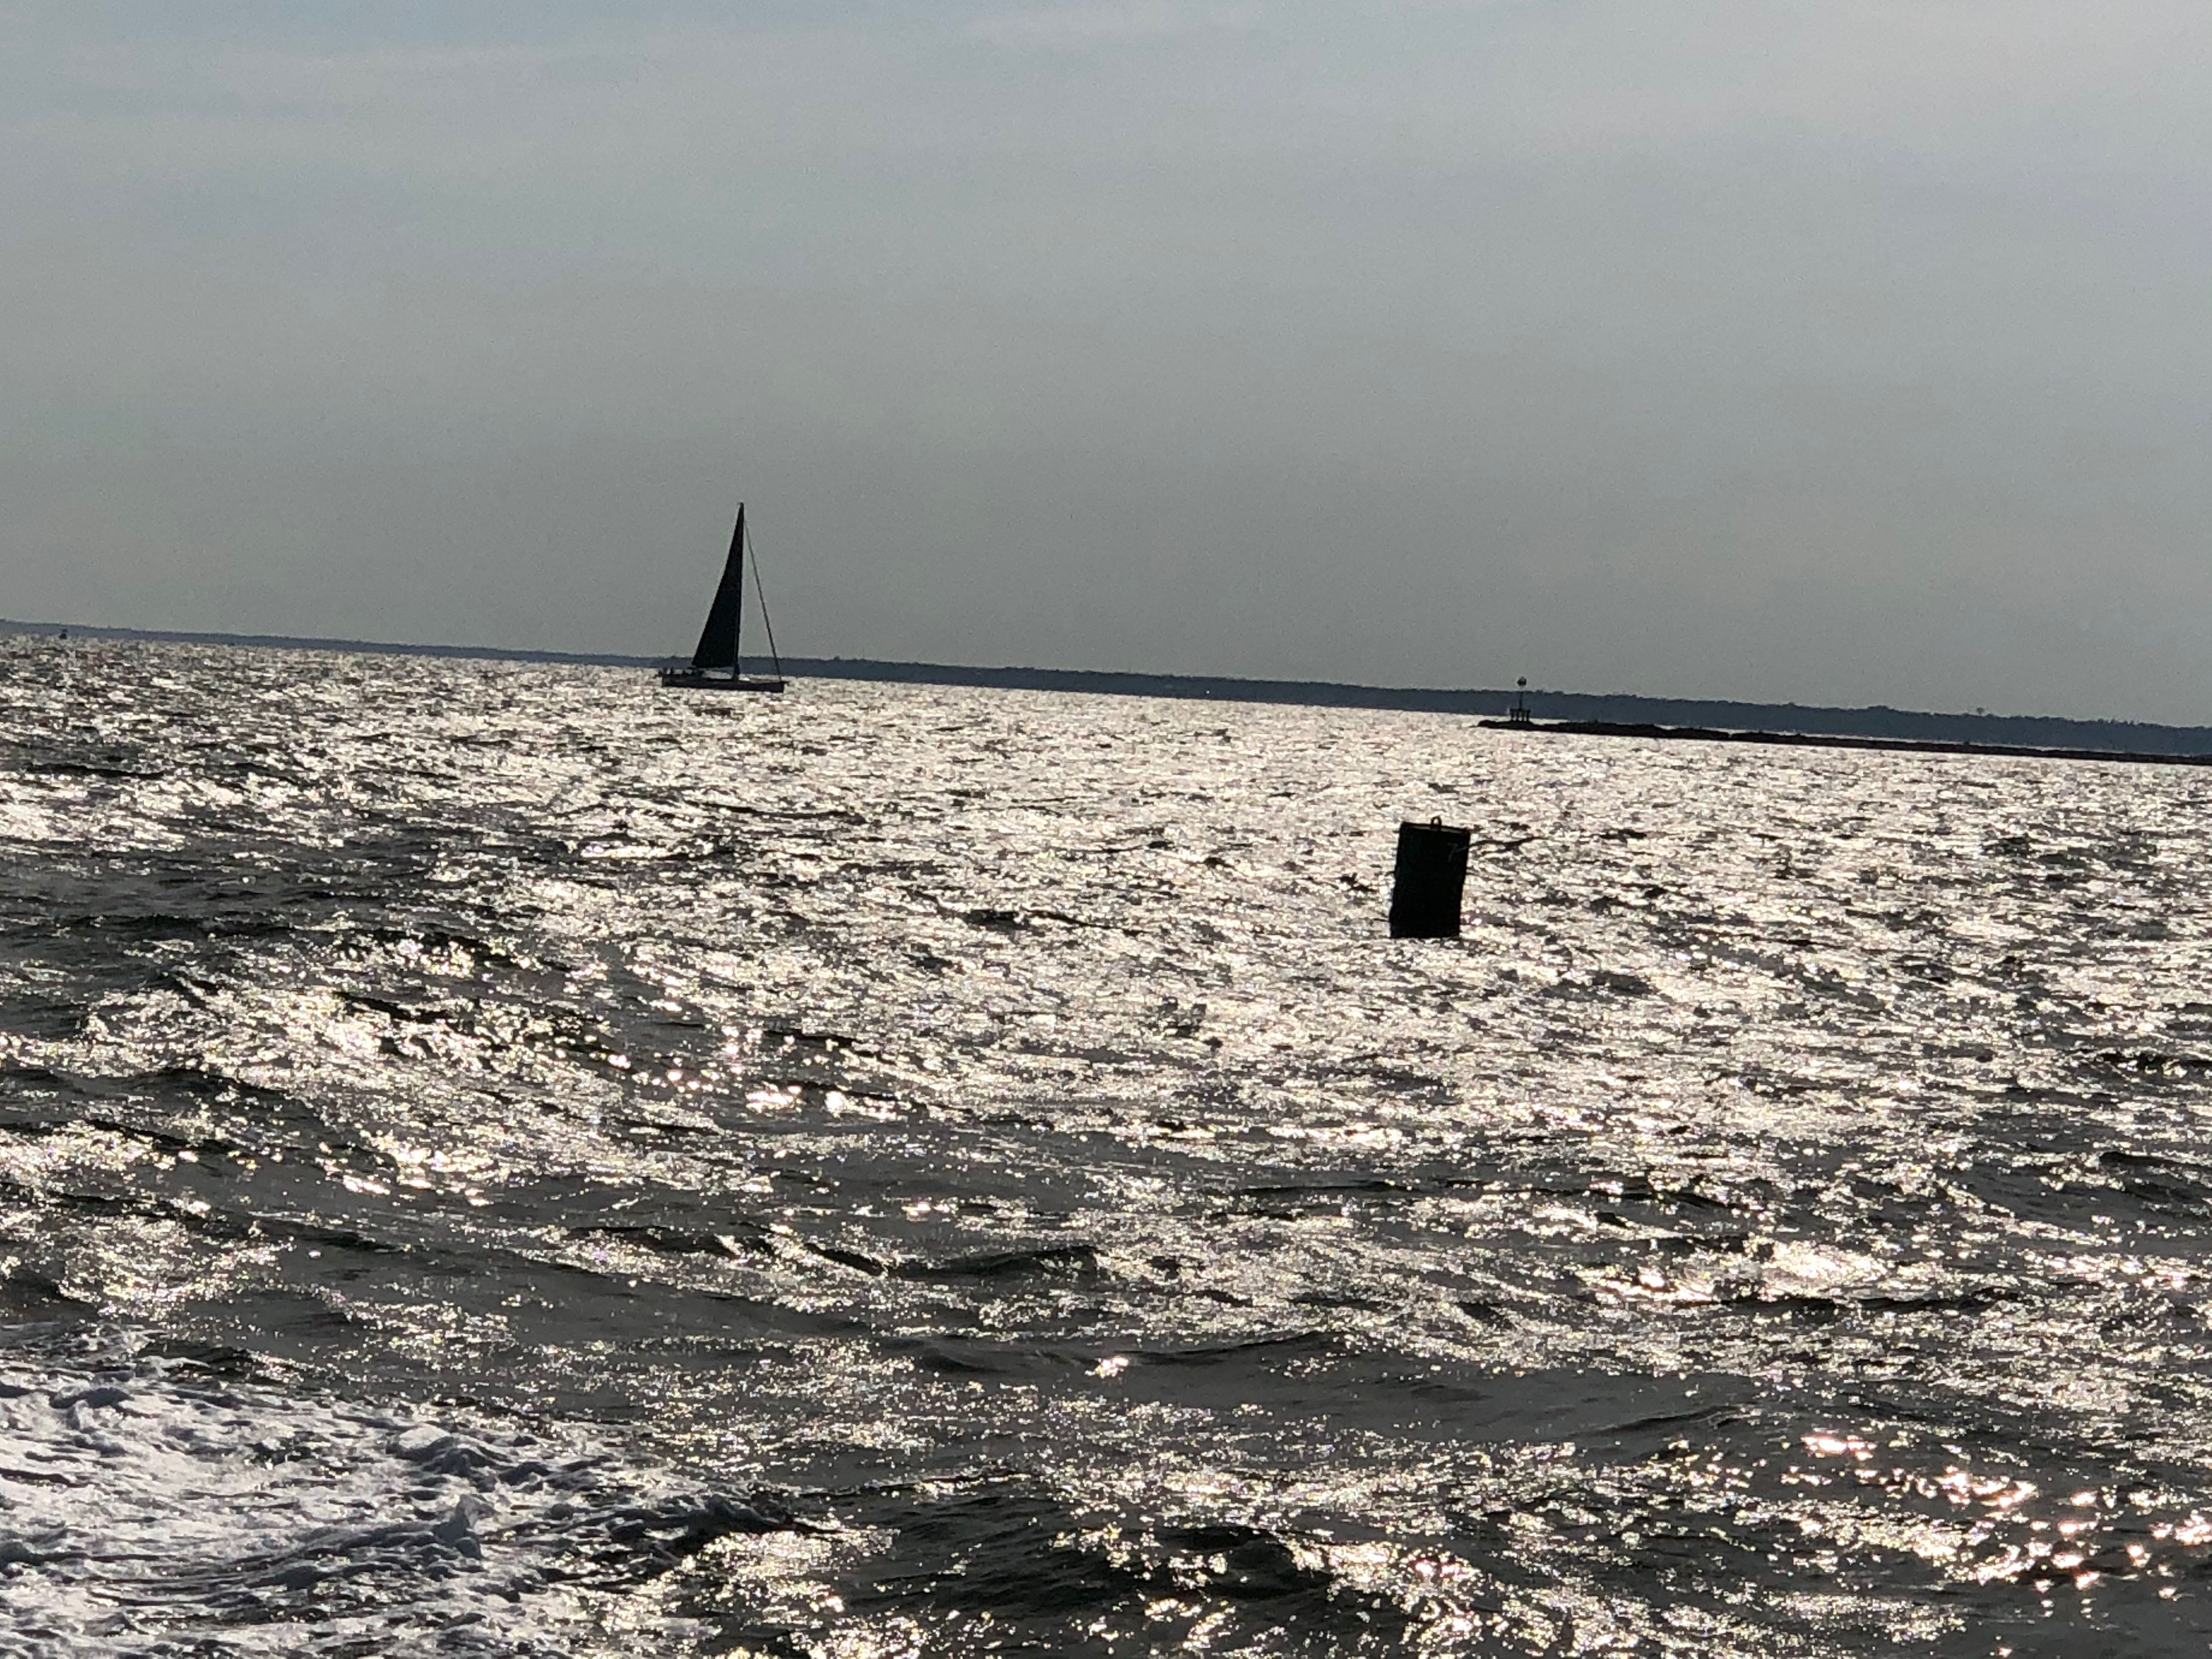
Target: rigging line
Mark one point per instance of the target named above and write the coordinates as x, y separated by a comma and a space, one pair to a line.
737, 634
772, 654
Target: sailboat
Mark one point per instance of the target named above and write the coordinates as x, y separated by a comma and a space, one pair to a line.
716, 666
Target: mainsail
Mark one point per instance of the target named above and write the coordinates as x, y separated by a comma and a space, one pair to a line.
717, 640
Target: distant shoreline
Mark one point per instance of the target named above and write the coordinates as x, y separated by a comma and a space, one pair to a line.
1774, 722
1839, 740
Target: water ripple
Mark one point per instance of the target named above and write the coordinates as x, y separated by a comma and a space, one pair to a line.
501, 1160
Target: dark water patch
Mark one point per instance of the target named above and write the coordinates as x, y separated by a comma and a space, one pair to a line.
113, 765
858, 1261
669, 1241
27, 1296
2170, 1185
1008, 1567
1075, 1263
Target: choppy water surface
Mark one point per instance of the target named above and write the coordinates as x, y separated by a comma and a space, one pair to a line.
500, 1159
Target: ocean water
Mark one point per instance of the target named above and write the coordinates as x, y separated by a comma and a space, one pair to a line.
501, 1160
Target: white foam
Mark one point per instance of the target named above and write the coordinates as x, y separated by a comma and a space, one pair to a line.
147, 1508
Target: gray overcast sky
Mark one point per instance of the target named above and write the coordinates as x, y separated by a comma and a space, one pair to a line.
1821, 349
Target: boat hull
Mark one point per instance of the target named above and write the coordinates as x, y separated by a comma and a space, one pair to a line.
690, 679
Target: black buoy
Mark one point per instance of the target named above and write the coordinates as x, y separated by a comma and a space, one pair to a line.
1432, 873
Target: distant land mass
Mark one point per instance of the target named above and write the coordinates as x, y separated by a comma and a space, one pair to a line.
2010, 731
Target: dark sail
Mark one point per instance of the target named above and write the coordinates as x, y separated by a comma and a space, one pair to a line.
717, 640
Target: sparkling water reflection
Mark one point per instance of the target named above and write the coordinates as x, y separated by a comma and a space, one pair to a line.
503, 1159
